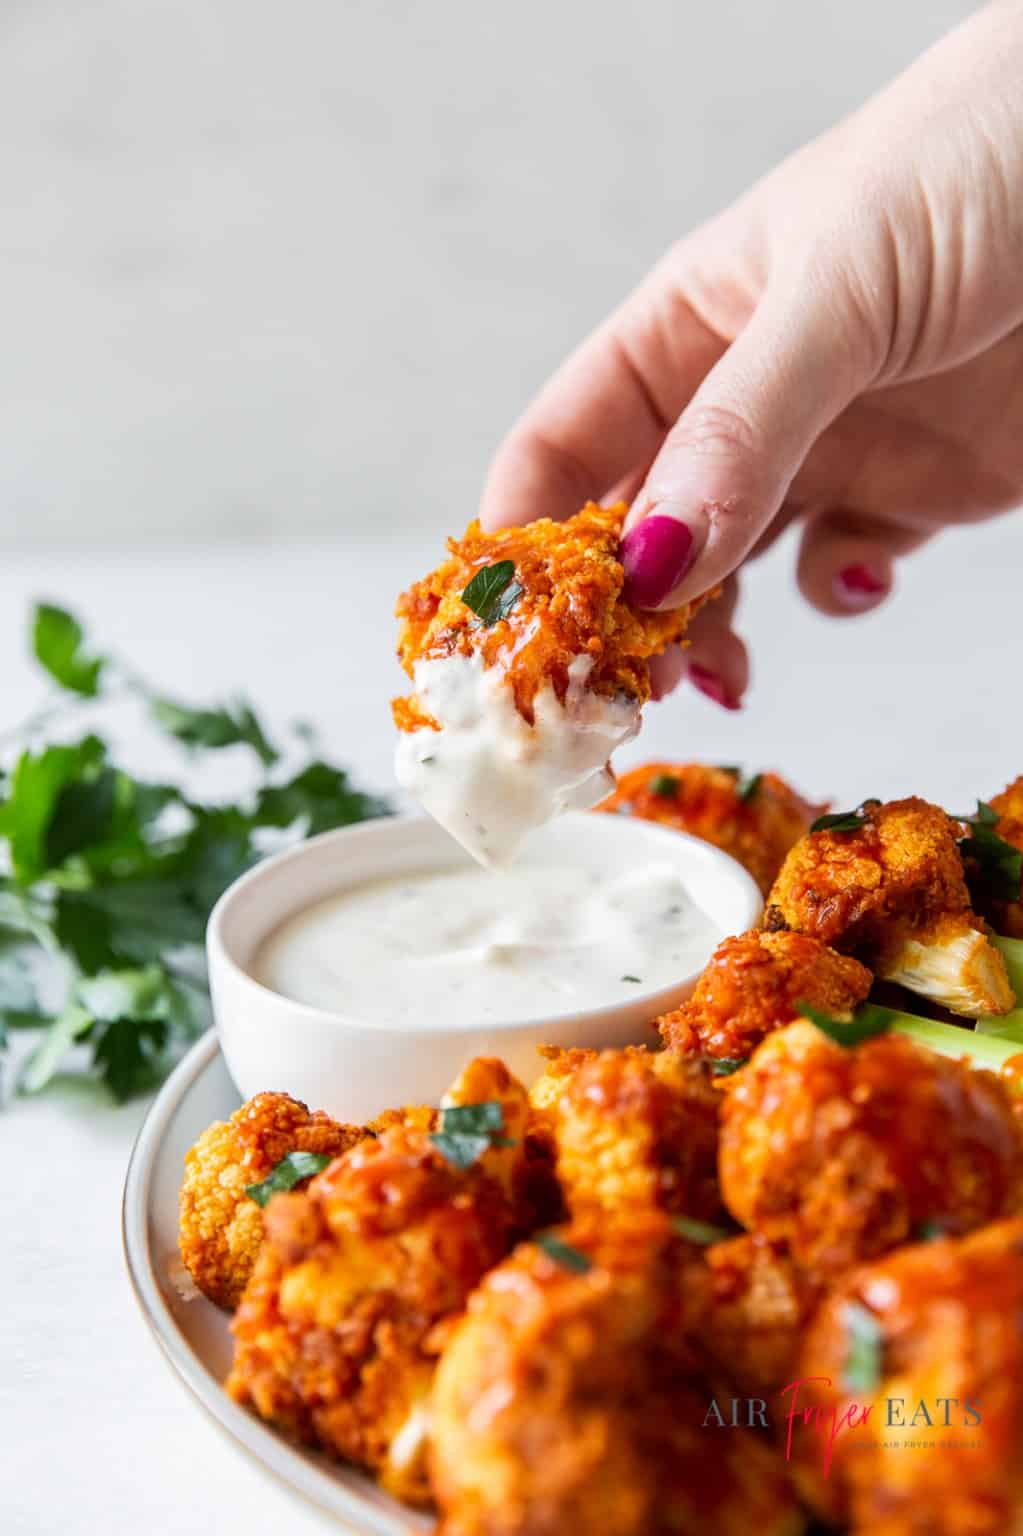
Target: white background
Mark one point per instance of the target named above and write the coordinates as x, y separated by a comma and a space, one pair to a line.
274, 268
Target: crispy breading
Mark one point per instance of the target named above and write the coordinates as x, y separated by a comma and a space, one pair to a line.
756, 820
338, 1327
569, 1399
570, 605
753, 985
632, 1129
849, 889
893, 892
844, 1153
221, 1228
941, 1452
750, 1303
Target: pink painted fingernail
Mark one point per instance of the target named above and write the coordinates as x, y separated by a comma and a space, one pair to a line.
712, 685
857, 586
656, 554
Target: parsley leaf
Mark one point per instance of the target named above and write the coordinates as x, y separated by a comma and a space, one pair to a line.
291, 1170
999, 866
57, 643
320, 797
701, 1232
631, 978
839, 821
469, 1130
665, 784
563, 1253
864, 1349
214, 728
724, 1066
493, 592
37, 803
749, 788
865, 1023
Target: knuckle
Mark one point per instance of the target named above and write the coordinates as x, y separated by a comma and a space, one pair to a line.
716, 430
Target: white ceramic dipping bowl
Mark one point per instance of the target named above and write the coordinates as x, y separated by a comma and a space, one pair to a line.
354, 1068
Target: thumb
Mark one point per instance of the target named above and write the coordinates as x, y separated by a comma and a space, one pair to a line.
725, 467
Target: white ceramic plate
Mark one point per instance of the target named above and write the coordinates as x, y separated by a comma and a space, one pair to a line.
190, 1330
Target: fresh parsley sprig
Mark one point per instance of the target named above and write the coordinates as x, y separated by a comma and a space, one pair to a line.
997, 866
107, 880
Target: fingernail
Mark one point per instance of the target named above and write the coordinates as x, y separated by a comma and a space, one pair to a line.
656, 554
857, 586
712, 685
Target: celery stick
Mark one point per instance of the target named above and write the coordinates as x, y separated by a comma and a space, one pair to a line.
1012, 954
982, 1050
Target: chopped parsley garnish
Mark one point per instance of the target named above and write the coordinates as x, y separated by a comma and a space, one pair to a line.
563, 1253
469, 1130
929, 1232
701, 1232
840, 821
999, 864
730, 768
630, 978
724, 1066
865, 1023
864, 1349
493, 592
291, 1170
748, 789
664, 784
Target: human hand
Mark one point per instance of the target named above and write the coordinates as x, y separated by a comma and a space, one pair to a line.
843, 347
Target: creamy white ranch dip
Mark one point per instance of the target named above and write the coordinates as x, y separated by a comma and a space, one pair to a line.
470, 946
487, 775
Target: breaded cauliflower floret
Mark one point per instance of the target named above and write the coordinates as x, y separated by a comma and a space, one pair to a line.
755, 819
753, 985
221, 1228
338, 1327
930, 1339
632, 1130
844, 1153
750, 1304
568, 1400
570, 605
892, 891
521, 1160
521, 693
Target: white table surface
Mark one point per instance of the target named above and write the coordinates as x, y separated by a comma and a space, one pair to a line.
923, 696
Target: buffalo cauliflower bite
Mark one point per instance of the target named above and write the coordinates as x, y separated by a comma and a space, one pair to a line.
754, 984
337, 1331
843, 1153
941, 1370
519, 700
756, 820
568, 1399
221, 1228
750, 1304
632, 1129
892, 891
